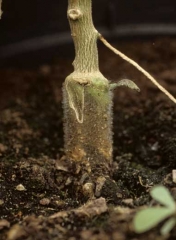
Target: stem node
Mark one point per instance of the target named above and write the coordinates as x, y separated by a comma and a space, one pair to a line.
74, 14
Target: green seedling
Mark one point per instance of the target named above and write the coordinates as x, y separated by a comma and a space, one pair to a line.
87, 96
150, 217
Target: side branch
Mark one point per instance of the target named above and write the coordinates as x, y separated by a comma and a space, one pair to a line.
132, 62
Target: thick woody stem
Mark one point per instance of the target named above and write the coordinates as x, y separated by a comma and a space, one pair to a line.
84, 35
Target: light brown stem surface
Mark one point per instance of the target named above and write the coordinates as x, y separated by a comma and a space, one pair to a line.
84, 35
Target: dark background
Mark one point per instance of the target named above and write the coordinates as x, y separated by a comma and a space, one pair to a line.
40, 27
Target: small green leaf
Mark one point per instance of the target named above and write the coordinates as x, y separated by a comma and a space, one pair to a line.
125, 82
163, 196
167, 227
148, 218
76, 98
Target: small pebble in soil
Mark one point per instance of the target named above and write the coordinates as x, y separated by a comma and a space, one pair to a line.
1, 202
88, 190
13, 177
20, 187
128, 202
119, 195
45, 201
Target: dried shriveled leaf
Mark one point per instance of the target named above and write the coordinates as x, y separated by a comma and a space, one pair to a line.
92, 208
127, 83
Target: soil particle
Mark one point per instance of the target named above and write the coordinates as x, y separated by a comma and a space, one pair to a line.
4, 224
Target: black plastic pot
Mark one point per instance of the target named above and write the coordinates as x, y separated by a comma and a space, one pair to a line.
39, 27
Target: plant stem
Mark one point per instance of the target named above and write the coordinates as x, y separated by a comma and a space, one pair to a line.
87, 98
84, 36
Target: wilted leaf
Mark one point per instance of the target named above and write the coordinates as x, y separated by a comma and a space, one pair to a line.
127, 83
148, 218
163, 196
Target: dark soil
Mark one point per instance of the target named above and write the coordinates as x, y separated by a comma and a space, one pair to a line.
38, 201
